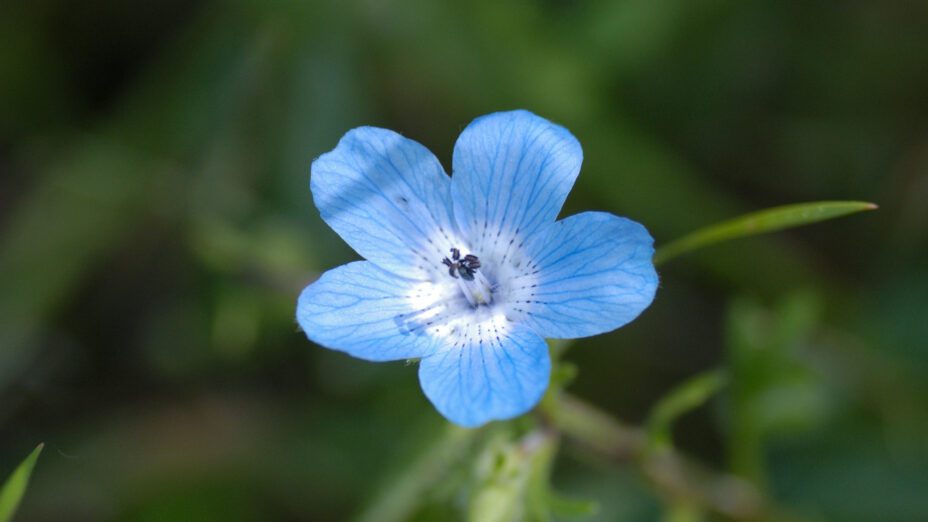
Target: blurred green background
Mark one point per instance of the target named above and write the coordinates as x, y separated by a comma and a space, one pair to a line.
156, 227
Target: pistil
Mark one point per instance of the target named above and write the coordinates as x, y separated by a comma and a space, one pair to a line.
477, 290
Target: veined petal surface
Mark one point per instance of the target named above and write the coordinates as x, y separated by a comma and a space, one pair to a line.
470, 273
592, 273
494, 370
512, 173
369, 313
389, 198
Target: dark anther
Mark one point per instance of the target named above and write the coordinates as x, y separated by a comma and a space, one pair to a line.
466, 267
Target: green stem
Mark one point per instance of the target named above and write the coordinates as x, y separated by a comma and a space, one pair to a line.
677, 477
594, 428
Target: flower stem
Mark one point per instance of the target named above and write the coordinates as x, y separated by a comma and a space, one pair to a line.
675, 476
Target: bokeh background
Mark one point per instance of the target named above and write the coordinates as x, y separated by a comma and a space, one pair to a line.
156, 227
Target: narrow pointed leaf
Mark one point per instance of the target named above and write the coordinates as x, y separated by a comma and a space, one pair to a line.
761, 222
13, 489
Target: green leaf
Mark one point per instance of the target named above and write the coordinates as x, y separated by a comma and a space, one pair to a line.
761, 222
15, 486
692, 394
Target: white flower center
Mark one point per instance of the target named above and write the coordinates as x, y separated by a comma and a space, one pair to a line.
471, 293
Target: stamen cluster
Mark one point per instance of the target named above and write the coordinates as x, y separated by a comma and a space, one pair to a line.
465, 266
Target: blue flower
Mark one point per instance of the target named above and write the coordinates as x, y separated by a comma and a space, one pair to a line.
471, 272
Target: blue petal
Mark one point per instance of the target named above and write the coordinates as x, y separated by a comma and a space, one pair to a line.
364, 310
492, 375
594, 274
389, 198
512, 173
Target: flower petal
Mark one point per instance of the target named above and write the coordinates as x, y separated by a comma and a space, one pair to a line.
494, 370
389, 198
363, 310
593, 273
512, 173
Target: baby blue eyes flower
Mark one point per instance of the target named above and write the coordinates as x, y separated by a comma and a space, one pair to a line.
471, 272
